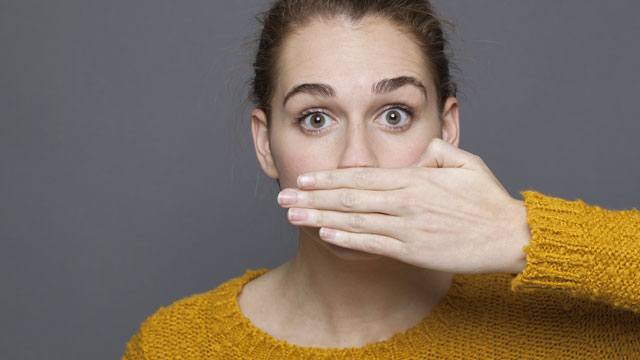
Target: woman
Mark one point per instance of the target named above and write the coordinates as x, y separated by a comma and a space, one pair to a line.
409, 246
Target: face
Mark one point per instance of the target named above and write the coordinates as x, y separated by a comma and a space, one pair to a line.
349, 95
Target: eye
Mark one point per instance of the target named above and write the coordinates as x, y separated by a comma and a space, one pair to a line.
314, 122
396, 117
393, 117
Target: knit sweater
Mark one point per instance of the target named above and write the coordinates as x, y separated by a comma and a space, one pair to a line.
577, 298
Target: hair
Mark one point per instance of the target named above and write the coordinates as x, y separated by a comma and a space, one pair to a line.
284, 16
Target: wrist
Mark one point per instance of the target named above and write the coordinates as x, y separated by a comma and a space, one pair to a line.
519, 237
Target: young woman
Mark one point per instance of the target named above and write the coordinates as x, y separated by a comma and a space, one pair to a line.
409, 247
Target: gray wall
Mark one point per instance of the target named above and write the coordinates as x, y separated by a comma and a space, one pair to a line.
128, 180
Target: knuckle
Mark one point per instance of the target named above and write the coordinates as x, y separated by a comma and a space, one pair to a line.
435, 146
363, 178
346, 238
311, 198
356, 221
371, 244
434, 143
320, 219
329, 179
412, 203
348, 198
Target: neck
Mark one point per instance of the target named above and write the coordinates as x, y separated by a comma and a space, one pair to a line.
345, 291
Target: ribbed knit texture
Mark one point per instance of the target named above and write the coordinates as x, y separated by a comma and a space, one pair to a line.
578, 298
584, 250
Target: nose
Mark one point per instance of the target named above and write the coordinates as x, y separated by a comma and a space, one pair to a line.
358, 150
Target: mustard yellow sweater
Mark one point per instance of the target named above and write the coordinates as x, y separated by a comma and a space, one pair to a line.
578, 298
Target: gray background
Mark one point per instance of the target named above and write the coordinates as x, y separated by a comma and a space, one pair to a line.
128, 180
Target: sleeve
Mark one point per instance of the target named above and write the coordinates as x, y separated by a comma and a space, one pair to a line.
588, 251
135, 348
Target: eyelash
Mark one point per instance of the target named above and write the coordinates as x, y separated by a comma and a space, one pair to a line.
402, 107
306, 113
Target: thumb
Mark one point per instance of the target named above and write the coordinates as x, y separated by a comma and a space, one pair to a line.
441, 154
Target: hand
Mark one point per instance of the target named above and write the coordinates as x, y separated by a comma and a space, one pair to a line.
448, 212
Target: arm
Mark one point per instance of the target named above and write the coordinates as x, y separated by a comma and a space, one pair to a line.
135, 349
585, 250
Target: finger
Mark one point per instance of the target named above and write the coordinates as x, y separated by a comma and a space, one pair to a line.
354, 222
355, 178
350, 200
441, 154
370, 243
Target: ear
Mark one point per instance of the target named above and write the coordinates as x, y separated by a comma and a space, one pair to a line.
451, 121
260, 133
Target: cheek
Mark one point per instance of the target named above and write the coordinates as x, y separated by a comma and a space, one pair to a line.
402, 154
294, 153
413, 154
291, 163
405, 151
403, 157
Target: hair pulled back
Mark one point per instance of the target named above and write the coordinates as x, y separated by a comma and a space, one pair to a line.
284, 16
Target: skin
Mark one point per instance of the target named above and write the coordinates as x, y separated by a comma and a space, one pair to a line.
394, 230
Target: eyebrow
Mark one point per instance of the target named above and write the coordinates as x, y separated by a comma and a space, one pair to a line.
383, 86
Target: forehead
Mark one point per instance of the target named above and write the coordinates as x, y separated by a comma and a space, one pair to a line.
349, 55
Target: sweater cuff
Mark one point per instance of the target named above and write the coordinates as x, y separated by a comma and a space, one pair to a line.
557, 255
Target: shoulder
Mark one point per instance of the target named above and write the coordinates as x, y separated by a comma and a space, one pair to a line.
193, 322
199, 310
491, 295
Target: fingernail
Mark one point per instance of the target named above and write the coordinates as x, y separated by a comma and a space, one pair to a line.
306, 180
297, 214
287, 197
328, 234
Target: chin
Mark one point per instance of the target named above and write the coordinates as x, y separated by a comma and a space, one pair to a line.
339, 251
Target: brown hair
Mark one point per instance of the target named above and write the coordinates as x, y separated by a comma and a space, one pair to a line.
283, 16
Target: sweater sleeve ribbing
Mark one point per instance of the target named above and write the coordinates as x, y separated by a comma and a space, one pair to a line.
585, 250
